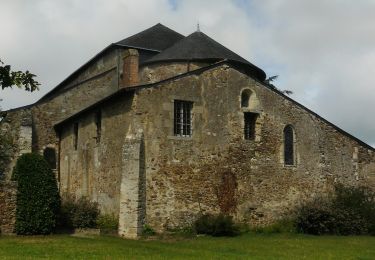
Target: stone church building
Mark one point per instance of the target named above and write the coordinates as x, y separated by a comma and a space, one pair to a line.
159, 128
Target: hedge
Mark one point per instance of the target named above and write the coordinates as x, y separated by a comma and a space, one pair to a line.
38, 198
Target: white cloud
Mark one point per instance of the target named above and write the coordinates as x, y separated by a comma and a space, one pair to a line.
323, 50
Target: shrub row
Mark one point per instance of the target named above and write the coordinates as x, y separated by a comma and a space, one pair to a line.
38, 199
216, 225
349, 211
81, 213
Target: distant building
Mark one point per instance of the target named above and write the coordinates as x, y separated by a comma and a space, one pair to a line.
158, 128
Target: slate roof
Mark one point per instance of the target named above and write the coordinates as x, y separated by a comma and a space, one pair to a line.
157, 37
200, 47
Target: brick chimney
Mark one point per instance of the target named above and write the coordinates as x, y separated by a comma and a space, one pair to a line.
130, 68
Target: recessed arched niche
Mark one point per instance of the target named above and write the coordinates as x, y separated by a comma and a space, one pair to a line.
249, 100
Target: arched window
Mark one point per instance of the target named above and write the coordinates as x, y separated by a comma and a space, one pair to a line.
50, 155
288, 145
245, 98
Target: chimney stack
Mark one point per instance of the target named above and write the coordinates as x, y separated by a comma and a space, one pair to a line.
130, 68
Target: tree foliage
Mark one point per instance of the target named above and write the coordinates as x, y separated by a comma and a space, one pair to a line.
38, 200
9, 78
272, 79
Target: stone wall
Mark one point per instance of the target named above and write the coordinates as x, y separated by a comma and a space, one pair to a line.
132, 194
217, 170
17, 127
160, 71
214, 170
91, 85
8, 196
94, 169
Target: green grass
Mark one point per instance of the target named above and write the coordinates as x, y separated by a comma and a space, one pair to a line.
254, 246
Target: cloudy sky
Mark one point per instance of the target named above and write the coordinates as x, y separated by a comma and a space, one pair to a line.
322, 50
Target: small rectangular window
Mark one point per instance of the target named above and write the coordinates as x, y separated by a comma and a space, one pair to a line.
98, 123
182, 118
75, 140
249, 125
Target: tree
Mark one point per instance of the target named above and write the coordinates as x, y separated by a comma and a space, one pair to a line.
269, 83
9, 78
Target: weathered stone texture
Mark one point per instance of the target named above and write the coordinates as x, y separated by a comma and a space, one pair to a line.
85, 93
130, 68
132, 193
8, 197
157, 72
94, 169
184, 175
17, 125
215, 170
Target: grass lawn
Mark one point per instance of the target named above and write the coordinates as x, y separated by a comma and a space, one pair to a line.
254, 246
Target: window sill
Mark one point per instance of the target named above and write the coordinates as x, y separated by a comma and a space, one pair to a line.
290, 166
182, 138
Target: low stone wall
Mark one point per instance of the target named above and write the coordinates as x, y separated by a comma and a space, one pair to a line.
8, 196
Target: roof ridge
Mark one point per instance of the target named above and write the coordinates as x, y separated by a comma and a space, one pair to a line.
199, 46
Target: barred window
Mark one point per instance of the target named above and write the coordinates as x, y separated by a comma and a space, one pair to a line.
75, 140
249, 125
288, 145
182, 118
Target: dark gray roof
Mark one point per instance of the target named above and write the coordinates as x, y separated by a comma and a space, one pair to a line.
157, 37
198, 46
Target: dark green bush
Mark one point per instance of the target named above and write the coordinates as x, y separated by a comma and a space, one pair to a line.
316, 218
204, 224
38, 200
148, 230
219, 225
107, 222
81, 213
349, 211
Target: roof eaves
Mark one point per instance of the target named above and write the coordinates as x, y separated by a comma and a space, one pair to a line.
88, 63
75, 73
58, 125
135, 47
18, 108
340, 130
198, 71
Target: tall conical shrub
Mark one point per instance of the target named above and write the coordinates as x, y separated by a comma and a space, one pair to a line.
38, 198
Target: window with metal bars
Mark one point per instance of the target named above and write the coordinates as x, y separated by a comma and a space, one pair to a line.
182, 118
249, 125
288, 145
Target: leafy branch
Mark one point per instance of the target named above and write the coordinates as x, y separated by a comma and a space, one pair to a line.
9, 78
269, 83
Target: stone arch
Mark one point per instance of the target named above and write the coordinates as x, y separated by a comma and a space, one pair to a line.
249, 100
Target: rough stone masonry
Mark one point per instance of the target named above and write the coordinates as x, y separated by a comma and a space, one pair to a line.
159, 128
